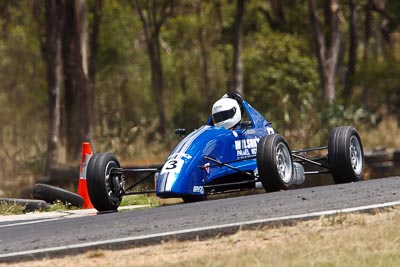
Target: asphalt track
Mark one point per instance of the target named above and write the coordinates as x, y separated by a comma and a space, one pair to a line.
54, 236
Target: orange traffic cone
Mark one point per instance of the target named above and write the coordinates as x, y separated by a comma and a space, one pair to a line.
82, 186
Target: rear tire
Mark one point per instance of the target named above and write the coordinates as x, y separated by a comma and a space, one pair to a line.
345, 155
274, 163
101, 185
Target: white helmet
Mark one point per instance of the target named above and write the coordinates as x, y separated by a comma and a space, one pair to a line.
226, 113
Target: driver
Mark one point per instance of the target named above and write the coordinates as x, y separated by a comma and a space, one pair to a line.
226, 113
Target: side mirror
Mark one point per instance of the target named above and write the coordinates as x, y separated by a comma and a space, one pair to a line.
180, 132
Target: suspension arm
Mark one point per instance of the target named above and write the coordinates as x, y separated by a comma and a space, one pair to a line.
310, 161
219, 163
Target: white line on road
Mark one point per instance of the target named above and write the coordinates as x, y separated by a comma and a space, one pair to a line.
39, 217
194, 230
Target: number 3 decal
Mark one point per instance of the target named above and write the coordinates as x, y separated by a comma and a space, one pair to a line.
172, 165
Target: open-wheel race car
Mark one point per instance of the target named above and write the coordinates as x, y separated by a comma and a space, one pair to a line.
236, 150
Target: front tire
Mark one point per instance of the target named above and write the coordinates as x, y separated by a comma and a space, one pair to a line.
105, 190
345, 155
274, 163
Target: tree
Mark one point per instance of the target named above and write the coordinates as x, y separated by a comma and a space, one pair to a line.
78, 102
276, 17
237, 49
153, 15
353, 45
5, 17
4, 21
94, 47
206, 92
328, 46
94, 40
389, 19
52, 54
381, 21
225, 41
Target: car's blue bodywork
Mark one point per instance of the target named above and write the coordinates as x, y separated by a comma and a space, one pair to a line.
208, 155
214, 160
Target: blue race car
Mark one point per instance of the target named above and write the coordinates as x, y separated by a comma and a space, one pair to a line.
236, 150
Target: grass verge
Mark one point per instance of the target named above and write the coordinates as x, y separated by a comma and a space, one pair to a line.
16, 209
146, 199
11, 209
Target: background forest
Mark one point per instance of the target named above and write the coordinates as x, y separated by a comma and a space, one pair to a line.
123, 74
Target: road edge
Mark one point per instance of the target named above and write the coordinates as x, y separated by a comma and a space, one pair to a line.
181, 235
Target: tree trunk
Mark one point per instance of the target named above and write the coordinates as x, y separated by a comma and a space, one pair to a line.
237, 49
276, 18
153, 15
94, 39
94, 43
389, 23
367, 30
206, 89
224, 40
5, 16
76, 80
366, 40
157, 80
328, 47
353, 44
52, 54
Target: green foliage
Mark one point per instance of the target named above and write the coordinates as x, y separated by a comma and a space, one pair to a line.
381, 81
122, 81
149, 200
281, 81
11, 209
15, 209
60, 206
23, 95
340, 115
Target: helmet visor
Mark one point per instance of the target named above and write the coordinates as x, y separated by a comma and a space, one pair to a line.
224, 115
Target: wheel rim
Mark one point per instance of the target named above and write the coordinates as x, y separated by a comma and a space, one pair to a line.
284, 162
356, 155
109, 184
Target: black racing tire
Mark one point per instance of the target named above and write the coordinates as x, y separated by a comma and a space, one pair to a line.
51, 194
102, 192
274, 163
28, 204
346, 155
